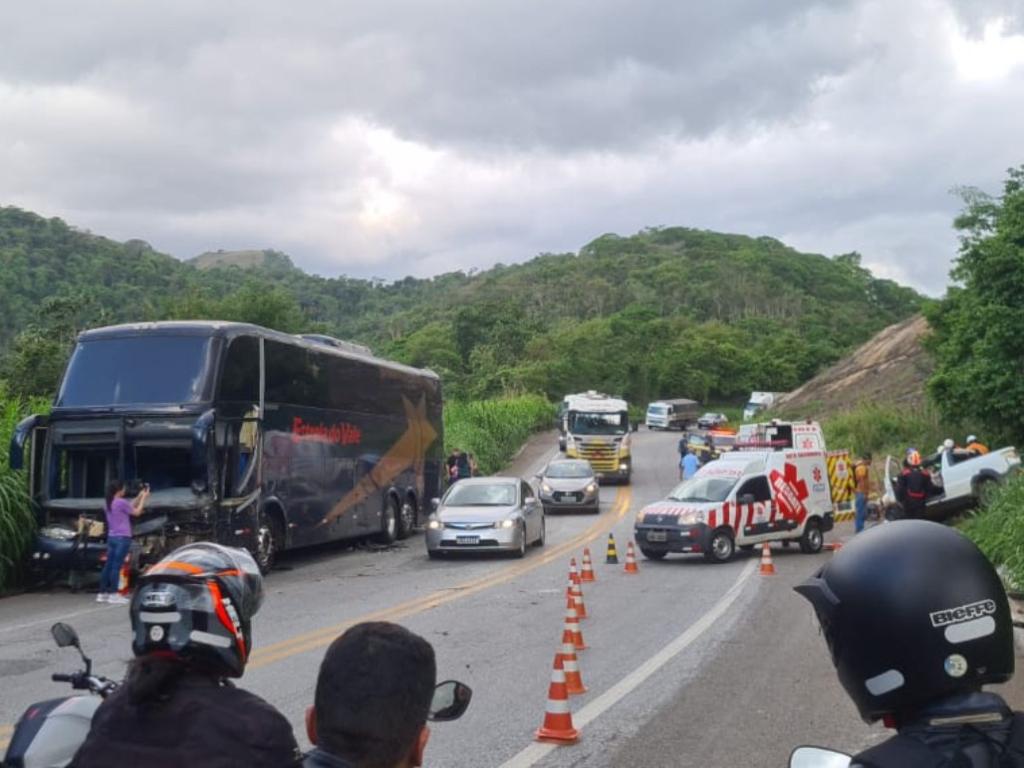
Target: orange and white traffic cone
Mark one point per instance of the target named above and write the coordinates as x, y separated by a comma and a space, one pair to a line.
557, 727
587, 573
631, 559
574, 574
576, 596
572, 627
767, 566
570, 665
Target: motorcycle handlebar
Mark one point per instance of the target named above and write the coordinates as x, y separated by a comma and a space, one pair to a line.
60, 678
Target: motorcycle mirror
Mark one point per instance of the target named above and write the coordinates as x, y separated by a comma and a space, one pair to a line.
818, 757
64, 635
451, 698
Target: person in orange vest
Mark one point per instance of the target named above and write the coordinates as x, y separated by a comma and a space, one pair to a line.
862, 487
976, 447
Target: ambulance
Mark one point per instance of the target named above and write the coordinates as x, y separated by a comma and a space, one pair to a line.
773, 486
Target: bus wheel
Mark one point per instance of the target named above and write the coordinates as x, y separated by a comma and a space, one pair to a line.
268, 537
406, 519
388, 523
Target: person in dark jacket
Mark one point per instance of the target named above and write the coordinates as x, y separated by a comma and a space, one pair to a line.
914, 486
191, 618
375, 693
917, 621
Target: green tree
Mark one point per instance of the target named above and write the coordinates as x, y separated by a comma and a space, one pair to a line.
978, 340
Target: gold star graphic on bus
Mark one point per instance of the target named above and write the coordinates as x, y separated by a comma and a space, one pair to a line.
408, 452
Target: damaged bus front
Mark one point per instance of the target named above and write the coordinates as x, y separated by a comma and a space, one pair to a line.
137, 405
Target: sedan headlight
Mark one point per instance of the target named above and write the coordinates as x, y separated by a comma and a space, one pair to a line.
592, 488
57, 532
508, 522
545, 488
434, 524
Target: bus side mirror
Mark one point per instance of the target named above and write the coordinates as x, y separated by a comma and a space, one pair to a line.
200, 441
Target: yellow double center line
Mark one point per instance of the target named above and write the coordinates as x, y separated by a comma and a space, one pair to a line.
318, 638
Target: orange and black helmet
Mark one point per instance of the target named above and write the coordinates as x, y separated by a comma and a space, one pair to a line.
197, 604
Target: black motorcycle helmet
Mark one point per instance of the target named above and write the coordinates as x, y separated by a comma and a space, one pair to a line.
912, 611
197, 604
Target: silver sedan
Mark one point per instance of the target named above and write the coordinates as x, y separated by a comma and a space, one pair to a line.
486, 514
569, 485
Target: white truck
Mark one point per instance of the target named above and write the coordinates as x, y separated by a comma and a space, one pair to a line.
774, 486
758, 401
966, 480
672, 414
597, 429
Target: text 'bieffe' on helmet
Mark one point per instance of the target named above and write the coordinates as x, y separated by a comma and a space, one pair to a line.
912, 612
197, 604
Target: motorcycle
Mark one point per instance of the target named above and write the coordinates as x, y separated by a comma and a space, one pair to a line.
50, 732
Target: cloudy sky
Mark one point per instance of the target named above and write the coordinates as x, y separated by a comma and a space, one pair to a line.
418, 137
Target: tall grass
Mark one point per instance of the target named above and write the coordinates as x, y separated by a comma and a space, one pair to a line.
887, 429
17, 521
999, 530
493, 430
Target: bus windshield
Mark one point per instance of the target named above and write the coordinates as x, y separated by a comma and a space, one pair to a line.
134, 370
597, 423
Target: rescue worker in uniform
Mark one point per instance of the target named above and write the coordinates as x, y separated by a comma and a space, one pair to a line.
914, 486
915, 652
975, 446
191, 620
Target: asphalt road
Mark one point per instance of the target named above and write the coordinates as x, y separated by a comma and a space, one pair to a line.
688, 663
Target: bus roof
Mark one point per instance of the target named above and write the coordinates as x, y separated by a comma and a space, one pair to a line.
228, 329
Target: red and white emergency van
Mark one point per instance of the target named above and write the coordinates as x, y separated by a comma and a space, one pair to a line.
773, 487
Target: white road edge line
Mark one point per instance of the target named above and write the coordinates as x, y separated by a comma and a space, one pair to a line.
536, 752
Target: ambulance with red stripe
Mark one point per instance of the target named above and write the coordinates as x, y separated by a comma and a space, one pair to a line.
773, 486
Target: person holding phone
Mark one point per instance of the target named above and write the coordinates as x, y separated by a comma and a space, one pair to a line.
119, 513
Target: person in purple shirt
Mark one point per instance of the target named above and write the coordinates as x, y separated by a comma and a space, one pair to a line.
119, 511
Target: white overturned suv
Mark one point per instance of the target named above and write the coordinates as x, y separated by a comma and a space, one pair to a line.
966, 479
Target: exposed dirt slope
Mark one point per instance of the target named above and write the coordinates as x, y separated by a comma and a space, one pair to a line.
890, 368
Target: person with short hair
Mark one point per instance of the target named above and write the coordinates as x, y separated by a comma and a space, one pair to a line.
373, 696
862, 487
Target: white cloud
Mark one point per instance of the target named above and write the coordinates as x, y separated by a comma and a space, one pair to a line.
399, 138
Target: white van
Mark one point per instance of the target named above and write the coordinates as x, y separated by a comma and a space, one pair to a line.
740, 500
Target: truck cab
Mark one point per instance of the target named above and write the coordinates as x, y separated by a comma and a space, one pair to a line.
597, 429
672, 414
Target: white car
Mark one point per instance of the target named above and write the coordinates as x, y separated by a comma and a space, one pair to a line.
965, 478
486, 514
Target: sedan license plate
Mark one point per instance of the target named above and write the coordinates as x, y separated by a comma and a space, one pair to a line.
657, 535
467, 540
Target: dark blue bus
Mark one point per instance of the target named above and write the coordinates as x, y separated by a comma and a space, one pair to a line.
246, 436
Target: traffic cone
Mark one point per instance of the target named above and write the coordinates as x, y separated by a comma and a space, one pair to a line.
557, 727
572, 627
613, 556
576, 595
834, 546
631, 559
767, 566
587, 574
570, 665
574, 574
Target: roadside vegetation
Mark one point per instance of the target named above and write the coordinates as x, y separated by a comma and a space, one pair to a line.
493, 430
999, 531
17, 521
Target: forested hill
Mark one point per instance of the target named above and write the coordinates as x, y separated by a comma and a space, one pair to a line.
665, 312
